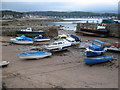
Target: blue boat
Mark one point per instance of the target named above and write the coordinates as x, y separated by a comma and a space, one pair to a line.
22, 40
96, 48
99, 59
34, 55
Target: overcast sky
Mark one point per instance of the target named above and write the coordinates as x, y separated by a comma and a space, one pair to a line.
61, 5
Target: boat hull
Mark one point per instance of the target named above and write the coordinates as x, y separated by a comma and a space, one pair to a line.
40, 40
4, 63
114, 48
33, 55
75, 43
96, 60
23, 42
94, 32
58, 48
90, 53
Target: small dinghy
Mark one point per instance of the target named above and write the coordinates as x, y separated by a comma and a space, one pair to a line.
41, 38
99, 59
4, 63
22, 40
96, 48
34, 55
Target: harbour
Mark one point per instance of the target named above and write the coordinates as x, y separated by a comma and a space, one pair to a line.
45, 49
58, 70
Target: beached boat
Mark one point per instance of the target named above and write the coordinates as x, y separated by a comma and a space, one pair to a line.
61, 36
41, 38
72, 41
99, 59
22, 40
77, 39
113, 47
58, 45
96, 48
94, 29
34, 55
4, 63
29, 32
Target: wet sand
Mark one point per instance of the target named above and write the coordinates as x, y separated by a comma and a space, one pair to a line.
65, 69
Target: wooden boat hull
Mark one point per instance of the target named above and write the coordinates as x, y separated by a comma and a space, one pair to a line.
34, 55
99, 59
94, 32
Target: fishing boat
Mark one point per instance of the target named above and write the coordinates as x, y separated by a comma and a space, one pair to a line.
29, 32
58, 45
41, 38
114, 47
99, 59
4, 63
34, 55
93, 29
22, 40
96, 48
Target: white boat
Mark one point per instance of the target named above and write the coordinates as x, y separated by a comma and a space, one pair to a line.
28, 29
34, 55
72, 41
22, 40
41, 38
3, 63
58, 45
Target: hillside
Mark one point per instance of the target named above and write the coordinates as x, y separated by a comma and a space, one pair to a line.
57, 14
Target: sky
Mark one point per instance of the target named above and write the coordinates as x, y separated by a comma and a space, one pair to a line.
61, 5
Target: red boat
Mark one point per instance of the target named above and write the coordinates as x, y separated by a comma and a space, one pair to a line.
114, 46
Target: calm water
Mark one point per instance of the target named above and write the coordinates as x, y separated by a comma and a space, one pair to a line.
68, 24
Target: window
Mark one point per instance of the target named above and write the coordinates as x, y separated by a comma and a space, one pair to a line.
54, 43
60, 43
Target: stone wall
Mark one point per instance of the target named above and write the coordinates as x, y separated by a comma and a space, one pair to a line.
51, 31
114, 30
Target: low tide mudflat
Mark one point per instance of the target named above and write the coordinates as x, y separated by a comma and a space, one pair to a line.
65, 69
